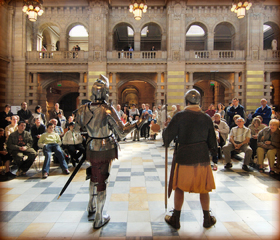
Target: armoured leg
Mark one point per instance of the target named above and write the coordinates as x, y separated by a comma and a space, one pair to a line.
100, 219
92, 200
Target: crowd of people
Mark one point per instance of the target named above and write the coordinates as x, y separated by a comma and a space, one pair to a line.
255, 134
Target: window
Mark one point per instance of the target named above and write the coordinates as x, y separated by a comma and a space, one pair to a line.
78, 31
195, 31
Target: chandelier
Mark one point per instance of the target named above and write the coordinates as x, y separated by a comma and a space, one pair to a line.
240, 7
33, 9
137, 7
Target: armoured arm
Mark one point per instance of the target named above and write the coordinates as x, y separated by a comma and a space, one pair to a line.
122, 129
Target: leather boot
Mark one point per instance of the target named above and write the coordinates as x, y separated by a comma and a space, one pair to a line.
209, 220
100, 219
174, 220
92, 201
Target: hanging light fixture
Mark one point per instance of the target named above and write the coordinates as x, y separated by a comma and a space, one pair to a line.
137, 7
33, 9
240, 7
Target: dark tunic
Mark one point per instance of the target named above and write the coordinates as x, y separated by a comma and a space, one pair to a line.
25, 115
3, 122
35, 132
196, 136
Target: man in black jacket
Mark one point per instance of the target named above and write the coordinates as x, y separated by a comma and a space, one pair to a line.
24, 115
236, 109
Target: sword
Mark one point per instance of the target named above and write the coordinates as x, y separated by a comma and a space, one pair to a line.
71, 177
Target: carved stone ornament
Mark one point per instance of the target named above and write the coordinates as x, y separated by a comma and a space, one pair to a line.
176, 55
177, 11
97, 56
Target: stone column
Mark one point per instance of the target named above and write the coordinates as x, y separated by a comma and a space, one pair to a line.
210, 41
114, 90
137, 41
63, 42
189, 84
268, 84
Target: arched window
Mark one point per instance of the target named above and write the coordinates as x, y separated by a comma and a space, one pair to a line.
196, 38
78, 31
195, 31
78, 35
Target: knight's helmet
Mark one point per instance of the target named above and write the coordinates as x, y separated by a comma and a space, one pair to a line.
100, 89
193, 97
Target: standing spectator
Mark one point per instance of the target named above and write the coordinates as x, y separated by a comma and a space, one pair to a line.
153, 48
12, 127
255, 127
220, 109
238, 140
192, 171
126, 111
130, 50
20, 144
5, 116
73, 141
234, 110
211, 110
25, 115
56, 110
155, 112
142, 108
146, 126
5, 157
264, 110
226, 114
173, 111
50, 142
36, 132
133, 112
38, 114
269, 143
119, 111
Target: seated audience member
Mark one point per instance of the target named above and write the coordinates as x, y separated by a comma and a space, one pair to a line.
269, 144
124, 118
255, 127
50, 142
57, 129
20, 144
36, 132
220, 109
261, 119
12, 127
5, 157
25, 115
211, 110
73, 142
154, 130
61, 120
55, 111
38, 114
70, 119
5, 116
264, 110
222, 130
239, 138
235, 117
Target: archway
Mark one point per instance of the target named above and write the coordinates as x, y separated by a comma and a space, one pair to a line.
196, 37
69, 103
78, 35
51, 35
224, 36
151, 36
270, 32
123, 37
213, 87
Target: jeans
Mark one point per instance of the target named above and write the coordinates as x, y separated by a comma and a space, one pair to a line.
48, 149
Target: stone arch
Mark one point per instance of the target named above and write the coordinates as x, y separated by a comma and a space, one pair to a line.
48, 81
156, 41
197, 42
231, 25
47, 24
119, 29
224, 36
218, 78
74, 24
154, 22
131, 77
273, 33
122, 22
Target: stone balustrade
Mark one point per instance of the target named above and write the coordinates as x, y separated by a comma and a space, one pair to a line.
217, 55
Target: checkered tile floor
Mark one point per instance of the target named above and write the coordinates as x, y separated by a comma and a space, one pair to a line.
244, 203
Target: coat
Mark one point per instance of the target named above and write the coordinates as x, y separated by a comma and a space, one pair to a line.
195, 136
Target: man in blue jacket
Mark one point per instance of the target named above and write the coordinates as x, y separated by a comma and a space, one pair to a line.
236, 109
265, 111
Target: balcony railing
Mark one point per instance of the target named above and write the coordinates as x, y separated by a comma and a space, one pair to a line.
272, 55
215, 55
123, 55
57, 55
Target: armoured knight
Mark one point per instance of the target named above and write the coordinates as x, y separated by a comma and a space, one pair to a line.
100, 121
